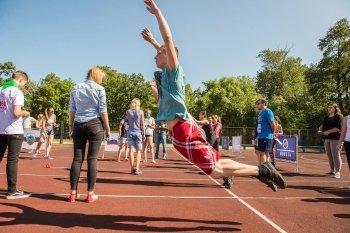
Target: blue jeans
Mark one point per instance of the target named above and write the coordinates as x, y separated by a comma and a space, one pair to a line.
160, 139
135, 140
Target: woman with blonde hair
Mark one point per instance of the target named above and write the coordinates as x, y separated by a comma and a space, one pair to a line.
88, 121
48, 124
330, 129
136, 134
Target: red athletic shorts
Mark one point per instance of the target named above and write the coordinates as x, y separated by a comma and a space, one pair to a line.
189, 141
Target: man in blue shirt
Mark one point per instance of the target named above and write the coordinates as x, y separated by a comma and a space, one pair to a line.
265, 130
168, 90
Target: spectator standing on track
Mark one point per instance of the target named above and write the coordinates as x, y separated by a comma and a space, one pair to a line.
266, 127
330, 129
345, 137
217, 127
136, 135
150, 125
123, 138
168, 90
278, 132
11, 129
161, 135
88, 121
47, 132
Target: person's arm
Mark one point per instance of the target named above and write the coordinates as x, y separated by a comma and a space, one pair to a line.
105, 121
154, 90
18, 112
202, 122
343, 132
142, 124
120, 129
43, 127
153, 124
71, 123
147, 36
165, 32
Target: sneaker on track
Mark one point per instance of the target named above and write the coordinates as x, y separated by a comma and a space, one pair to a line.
17, 195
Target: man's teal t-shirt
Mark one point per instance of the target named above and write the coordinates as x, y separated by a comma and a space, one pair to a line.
171, 91
264, 128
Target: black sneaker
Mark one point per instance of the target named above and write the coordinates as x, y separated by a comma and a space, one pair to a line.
17, 195
228, 183
268, 173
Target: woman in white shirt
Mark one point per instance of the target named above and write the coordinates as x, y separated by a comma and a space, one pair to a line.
345, 138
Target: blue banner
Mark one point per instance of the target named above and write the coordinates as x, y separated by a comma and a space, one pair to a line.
286, 148
225, 142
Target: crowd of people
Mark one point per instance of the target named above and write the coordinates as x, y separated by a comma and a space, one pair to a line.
196, 139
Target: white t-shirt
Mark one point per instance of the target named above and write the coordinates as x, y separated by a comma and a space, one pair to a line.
149, 122
9, 97
28, 121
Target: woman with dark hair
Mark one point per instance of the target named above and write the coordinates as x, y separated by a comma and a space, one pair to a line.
217, 127
330, 129
345, 138
88, 121
212, 139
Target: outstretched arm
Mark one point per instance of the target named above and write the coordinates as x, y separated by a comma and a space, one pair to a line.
166, 33
154, 90
147, 36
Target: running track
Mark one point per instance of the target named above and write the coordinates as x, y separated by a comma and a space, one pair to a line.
174, 196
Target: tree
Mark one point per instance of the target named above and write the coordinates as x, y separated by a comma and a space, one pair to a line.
282, 83
6, 71
233, 98
55, 92
334, 67
121, 89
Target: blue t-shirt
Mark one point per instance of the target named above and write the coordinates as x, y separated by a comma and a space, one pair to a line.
171, 92
264, 128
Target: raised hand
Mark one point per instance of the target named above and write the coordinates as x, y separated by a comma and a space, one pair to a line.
147, 35
151, 6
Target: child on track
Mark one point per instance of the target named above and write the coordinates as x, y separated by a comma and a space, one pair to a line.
187, 139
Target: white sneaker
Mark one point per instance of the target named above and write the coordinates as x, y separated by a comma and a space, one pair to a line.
337, 175
35, 155
17, 195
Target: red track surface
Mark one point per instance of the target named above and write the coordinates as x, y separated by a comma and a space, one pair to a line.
173, 196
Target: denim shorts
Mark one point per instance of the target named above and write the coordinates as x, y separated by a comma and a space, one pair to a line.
135, 140
265, 145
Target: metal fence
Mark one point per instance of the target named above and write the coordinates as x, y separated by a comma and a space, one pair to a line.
307, 137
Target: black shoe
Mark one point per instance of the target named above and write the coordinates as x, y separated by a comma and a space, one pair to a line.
268, 173
228, 182
272, 185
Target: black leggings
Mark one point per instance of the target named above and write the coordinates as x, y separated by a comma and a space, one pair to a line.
347, 151
13, 142
91, 132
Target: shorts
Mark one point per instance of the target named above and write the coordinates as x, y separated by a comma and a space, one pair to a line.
188, 140
122, 140
265, 145
135, 140
149, 136
50, 132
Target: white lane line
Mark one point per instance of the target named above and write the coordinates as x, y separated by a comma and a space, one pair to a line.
190, 197
274, 225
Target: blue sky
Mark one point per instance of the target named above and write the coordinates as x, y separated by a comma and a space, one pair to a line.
216, 38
